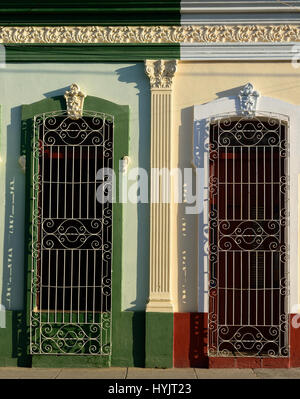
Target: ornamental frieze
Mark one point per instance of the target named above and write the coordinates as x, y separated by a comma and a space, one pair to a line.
150, 34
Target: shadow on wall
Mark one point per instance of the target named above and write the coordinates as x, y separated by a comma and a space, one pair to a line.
190, 340
129, 75
231, 93
13, 255
190, 323
198, 340
57, 93
187, 223
20, 338
14, 233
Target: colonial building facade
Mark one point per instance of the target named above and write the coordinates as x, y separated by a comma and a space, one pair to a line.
150, 170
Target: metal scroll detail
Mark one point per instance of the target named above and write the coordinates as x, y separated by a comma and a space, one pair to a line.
71, 235
248, 286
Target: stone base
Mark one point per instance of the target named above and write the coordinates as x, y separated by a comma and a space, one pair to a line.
160, 306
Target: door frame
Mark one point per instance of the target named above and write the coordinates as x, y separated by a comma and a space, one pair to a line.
231, 107
120, 149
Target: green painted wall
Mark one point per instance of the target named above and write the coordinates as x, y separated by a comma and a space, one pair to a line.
129, 340
8, 352
142, 340
120, 149
159, 340
72, 12
90, 52
13, 340
124, 84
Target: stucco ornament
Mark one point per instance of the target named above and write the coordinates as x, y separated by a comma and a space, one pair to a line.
160, 73
150, 34
22, 163
248, 99
74, 99
124, 163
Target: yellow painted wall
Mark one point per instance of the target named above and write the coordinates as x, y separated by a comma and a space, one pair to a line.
198, 83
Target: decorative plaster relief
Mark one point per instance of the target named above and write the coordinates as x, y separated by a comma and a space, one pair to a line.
150, 34
22, 163
124, 163
160, 73
74, 99
248, 99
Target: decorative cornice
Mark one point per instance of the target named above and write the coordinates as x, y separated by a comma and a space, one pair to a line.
160, 73
74, 100
150, 34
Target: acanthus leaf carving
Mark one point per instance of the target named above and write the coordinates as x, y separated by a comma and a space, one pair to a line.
266, 33
248, 99
74, 100
160, 73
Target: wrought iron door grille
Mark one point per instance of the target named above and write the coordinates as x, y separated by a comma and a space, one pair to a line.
248, 286
71, 235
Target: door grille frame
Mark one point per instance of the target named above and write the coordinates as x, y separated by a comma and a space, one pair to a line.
77, 332
214, 348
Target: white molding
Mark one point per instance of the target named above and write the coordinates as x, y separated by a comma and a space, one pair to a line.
239, 12
230, 106
237, 51
245, 5
240, 19
214, 10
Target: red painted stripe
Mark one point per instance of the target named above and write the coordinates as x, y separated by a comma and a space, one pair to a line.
190, 346
190, 340
294, 341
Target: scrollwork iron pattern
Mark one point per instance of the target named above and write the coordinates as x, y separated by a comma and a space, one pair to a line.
248, 283
71, 235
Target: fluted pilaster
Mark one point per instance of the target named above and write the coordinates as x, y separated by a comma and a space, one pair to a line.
161, 75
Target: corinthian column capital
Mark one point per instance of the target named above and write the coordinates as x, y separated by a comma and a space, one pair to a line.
160, 73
